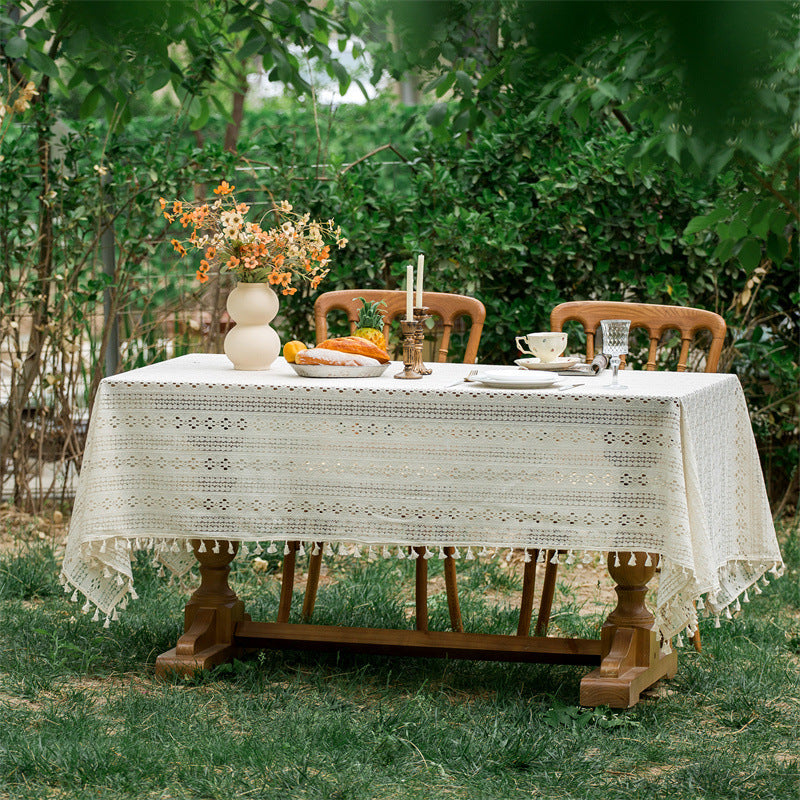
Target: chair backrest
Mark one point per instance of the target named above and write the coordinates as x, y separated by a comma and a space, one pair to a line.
448, 307
655, 319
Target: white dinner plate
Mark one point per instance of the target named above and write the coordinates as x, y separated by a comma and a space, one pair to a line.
338, 371
516, 379
563, 362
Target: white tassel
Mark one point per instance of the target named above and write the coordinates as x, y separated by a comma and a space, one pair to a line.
413, 553
67, 588
632, 560
189, 548
586, 557
115, 616
737, 606
106, 572
456, 554
286, 549
746, 597
315, 551
342, 549
96, 617
716, 621
648, 562
258, 550
134, 596
202, 548
470, 555
527, 557
700, 604
540, 559
554, 559
103, 546
175, 547
765, 581
728, 614
428, 553
357, 550
74, 598
231, 551
616, 560
245, 550
215, 548
302, 550
328, 549
385, 552
161, 571
124, 604
441, 553
119, 579
86, 607
371, 554
757, 589
400, 553
679, 641
570, 558
107, 623
272, 548
484, 551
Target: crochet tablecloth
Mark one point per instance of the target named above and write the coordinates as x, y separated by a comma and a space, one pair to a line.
192, 449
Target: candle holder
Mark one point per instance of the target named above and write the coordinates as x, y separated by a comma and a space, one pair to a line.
420, 315
409, 329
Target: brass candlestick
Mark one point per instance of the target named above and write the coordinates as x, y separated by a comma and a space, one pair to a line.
420, 315
409, 329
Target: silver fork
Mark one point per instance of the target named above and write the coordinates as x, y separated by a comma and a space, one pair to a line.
470, 375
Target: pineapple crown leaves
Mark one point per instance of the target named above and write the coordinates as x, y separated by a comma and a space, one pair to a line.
370, 314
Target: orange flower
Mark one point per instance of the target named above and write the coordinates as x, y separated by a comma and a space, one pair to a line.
179, 248
163, 203
224, 188
233, 262
201, 276
211, 252
177, 207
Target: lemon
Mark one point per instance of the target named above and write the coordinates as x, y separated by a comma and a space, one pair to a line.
291, 349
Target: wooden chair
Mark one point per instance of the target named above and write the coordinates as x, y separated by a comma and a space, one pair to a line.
449, 308
656, 320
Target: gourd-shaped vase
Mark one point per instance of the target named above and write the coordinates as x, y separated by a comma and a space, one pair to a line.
252, 344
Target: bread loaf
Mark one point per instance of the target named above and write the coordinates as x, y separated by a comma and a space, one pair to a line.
321, 355
357, 345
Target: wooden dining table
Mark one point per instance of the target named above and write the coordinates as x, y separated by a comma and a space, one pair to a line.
196, 462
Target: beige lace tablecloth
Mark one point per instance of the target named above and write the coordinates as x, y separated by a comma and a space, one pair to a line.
190, 448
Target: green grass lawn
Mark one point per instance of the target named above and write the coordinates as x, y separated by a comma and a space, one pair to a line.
84, 717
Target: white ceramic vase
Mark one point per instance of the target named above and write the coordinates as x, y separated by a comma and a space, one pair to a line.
252, 344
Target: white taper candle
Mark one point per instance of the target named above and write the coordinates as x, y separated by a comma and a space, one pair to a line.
420, 268
410, 293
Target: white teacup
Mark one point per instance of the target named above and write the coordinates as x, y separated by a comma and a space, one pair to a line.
547, 346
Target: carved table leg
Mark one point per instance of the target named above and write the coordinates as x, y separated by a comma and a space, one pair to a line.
210, 616
631, 657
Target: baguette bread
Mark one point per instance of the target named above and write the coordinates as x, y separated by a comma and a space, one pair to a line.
337, 358
358, 346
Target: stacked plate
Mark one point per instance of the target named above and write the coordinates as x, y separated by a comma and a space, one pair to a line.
516, 379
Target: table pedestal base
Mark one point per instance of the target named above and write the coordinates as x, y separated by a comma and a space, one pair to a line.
210, 617
629, 658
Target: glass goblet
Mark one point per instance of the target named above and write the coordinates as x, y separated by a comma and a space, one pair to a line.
615, 344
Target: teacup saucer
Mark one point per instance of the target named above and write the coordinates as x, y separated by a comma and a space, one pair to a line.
563, 362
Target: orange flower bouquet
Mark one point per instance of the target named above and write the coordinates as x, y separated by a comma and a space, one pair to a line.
295, 247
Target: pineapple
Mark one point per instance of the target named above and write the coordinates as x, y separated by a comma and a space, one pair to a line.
370, 323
